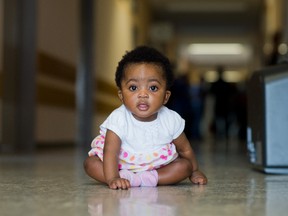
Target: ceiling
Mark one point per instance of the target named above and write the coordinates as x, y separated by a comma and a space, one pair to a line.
209, 15
210, 21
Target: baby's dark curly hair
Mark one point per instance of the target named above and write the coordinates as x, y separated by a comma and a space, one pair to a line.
145, 54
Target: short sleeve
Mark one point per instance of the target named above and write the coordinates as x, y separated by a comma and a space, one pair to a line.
115, 122
173, 122
179, 124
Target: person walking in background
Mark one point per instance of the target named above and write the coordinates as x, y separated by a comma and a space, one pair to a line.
180, 101
224, 97
196, 98
273, 58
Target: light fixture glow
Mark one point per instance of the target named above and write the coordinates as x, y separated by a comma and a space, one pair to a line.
216, 49
228, 76
283, 49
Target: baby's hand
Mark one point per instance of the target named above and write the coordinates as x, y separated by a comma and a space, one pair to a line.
198, 177
119, 183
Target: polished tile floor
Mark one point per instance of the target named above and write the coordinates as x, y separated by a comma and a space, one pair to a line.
52, 182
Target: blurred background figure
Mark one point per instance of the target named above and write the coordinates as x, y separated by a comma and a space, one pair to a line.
197, 98
224, 94
273, 58
179, 100
188, 97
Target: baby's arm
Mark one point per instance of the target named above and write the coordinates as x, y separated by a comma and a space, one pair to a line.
185, 151
110, 162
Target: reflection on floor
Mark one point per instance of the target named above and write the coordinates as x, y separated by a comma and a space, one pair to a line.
52, 182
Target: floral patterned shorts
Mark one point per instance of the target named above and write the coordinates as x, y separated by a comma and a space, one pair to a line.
137, 162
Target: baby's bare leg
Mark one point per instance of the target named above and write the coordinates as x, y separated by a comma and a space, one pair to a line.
174, 172
94, 168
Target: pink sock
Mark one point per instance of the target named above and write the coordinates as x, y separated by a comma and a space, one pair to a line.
148, 178
134, 179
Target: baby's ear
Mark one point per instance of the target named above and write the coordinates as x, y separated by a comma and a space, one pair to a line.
167, 96
120, 95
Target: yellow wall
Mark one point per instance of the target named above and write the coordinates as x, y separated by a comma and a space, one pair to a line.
1, 35
273, 16
113, 37
273, 22
1, 59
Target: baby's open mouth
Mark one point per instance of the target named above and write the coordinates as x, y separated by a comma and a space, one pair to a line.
142, 107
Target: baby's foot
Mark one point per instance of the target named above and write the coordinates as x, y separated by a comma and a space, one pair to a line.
134, 179
148, 178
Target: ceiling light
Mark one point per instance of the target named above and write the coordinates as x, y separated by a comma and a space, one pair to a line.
216, 49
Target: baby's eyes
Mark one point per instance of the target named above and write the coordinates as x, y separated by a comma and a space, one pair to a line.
153, 88
133, 88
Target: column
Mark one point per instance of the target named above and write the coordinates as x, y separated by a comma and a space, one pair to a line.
85, 76
18, 111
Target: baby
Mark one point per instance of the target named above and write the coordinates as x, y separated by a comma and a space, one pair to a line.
142, 142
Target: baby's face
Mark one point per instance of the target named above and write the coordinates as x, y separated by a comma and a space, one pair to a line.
143, 90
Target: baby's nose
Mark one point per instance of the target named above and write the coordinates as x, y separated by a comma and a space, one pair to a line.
143, 94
